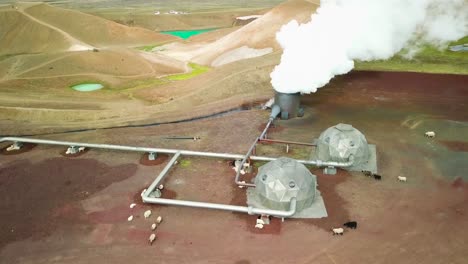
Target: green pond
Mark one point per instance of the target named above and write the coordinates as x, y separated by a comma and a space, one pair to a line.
185, 34
87, 87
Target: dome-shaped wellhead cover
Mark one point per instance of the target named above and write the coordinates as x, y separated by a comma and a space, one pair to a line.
280, 180
289, 104
339, 142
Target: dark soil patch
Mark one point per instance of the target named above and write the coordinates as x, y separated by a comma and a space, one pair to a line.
26, 147
79, 153
160, 159
458, 183
458, 146
335, 204
37, 198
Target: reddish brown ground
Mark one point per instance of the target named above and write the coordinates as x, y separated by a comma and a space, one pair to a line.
456, 145
420, 221
160, 159
36, 197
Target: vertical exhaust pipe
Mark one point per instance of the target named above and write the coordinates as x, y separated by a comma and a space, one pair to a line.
289, 104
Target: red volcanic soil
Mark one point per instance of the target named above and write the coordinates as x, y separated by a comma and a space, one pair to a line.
443, 93
160, 159
37, 197
335, 204
457, 146
272, 129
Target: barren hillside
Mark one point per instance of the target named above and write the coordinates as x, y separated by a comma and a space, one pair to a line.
259, 34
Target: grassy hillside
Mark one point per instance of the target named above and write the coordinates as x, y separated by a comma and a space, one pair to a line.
428, 59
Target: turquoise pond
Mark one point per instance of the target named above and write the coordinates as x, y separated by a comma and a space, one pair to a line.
87, 87
185, 34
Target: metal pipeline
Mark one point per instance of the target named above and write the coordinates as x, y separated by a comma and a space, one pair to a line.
287, 142
226, 207
318, 163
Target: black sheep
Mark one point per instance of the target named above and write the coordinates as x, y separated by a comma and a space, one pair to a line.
367, 173
377, 177
351, 224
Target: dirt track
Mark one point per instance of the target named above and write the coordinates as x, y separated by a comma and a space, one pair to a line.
421, 221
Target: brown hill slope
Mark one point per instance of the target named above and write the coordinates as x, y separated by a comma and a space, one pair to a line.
19, 34
94, 30
258, 34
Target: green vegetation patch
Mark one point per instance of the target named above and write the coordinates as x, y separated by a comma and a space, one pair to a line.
185, 163
428, 59
148, 48
196, 70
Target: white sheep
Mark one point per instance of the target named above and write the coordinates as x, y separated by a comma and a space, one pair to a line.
430, 134
13, 147
401, 178
161, 187
241, 186
147, 213
80, 149
159, 220
153, 226
338, 231
236, 169
70, 150
132, 205
143, 192
259, 224
130, 218
152, 238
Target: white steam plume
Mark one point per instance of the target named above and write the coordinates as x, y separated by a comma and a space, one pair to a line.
342, 31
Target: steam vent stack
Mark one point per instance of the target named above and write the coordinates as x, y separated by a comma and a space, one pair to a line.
289, 104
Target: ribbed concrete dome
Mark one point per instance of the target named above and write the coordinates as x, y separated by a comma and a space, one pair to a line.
280, 180
339, 142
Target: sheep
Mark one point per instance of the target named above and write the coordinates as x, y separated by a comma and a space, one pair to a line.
147, 213
161, 187
80, 149
153, 226
236, 169
367, 173
152, 238
338, 231
143, 192
260, 223
159, 220
132, 205
377, 177
13, 147
259, 226
351, 224
401, 178
430, 134
241, 186
70, 150
130, 218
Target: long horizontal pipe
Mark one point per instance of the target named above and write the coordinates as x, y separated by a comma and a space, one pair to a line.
226, 207
287, 142
318, 163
